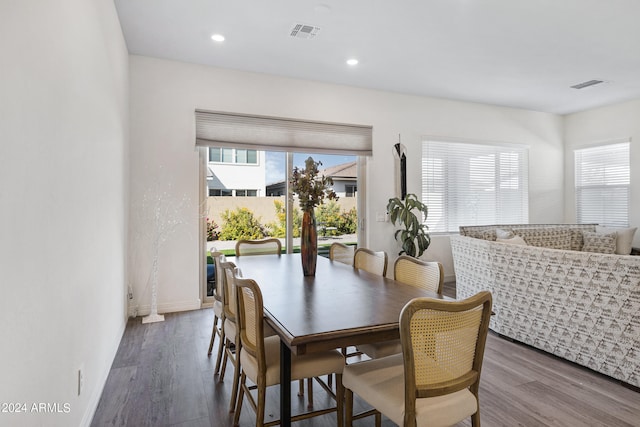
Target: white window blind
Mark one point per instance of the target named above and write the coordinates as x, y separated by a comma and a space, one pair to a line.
603, 185
221, 129
474, 184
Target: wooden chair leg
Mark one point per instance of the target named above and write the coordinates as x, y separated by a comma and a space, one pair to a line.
300, 387
378, 416
213, 334
224, 361
221, 350
236, 416
262, 392
475, 418
234, 388
348, 406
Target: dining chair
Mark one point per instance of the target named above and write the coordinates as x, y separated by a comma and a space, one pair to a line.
435, 380
428, 275
217, 303
258, 247
260, 359
269, 246
341, 253
375, 263
368, 260
229, 340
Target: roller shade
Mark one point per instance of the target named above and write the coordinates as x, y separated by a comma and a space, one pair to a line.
215, 128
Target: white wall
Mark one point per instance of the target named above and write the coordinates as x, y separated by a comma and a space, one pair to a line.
242, 176
164, 95
604, 124
63, 122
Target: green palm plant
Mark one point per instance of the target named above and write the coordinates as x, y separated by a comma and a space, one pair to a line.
413, 235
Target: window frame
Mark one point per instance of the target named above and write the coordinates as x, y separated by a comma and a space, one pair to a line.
230, 156
350, 190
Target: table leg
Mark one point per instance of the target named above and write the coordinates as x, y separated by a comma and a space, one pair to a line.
285, 385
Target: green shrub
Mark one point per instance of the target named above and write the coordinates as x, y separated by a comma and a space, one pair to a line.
279, 229
240, 224
348, 223
212, 233
328, 215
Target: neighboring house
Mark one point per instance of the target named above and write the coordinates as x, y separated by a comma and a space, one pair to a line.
345, 181
236, 172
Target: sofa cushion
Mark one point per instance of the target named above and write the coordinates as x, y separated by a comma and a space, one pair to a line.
550, 237
577, 240
515, 240
599, 242
478, 232
624, 238
489, 235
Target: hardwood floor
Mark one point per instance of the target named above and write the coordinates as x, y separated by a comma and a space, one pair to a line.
161, 376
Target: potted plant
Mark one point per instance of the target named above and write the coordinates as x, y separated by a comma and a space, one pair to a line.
312, 188
413, 235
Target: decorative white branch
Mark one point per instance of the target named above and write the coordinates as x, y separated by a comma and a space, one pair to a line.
159, 218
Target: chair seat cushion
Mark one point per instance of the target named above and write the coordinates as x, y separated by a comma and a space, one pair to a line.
381, 349
217, 308
230, 330
380, 382
307, 366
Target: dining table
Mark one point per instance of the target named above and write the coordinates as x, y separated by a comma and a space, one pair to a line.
339, 306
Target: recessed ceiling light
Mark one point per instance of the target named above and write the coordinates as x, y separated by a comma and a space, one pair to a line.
323, 9
352, 61
217, 38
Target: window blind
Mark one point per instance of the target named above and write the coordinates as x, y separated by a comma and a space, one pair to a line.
474, 184
281, 134
602, 184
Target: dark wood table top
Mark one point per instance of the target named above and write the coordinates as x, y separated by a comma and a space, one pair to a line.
337, 307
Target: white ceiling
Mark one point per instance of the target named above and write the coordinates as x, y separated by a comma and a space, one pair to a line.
517, 53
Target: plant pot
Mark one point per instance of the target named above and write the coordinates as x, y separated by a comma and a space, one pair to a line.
309, 243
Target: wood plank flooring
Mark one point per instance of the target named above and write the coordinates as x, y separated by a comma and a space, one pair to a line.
161, 376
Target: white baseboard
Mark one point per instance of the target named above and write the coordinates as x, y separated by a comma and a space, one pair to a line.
94, 400
171, 307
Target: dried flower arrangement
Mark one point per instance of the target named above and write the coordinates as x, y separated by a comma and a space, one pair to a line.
310, 186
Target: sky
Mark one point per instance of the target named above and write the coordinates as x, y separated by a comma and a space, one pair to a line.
276, 160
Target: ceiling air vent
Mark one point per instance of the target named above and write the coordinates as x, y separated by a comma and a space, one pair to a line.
587, 84
304, 31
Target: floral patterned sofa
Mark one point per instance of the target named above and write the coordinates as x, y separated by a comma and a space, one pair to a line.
552, 295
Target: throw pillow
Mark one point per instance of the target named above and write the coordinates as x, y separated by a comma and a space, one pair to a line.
502, 233
624, 238
515, 240
598, 242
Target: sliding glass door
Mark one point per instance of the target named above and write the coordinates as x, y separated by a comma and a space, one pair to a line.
245, 197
